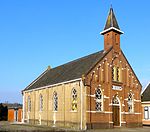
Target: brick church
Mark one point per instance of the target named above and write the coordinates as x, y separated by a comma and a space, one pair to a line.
99, 90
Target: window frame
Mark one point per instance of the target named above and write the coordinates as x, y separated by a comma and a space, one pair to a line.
29, 104
98, 100
146, 111
116, 74
55, 101
130, 103
41, 104
74, 97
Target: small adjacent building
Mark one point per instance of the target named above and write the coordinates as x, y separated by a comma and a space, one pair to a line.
14, 112
146, 105
100, 90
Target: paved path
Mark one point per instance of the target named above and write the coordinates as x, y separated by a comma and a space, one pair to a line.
7, 127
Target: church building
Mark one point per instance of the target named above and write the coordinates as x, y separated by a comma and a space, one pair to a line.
99, 90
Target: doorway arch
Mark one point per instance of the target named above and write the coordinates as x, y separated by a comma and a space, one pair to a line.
116, 111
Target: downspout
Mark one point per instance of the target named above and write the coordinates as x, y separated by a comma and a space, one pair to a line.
81, 104
90, 94
47, 91
23, 107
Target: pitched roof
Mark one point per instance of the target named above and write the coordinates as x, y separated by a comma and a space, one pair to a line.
146, 94
13, 105
69, 71
111, 23
111, 20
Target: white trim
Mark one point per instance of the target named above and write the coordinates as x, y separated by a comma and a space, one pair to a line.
130, 113
54, 111
137, 100
145, 88
123, 122
126, 99
105, 97
28, 117
138, 113
40, 119
106, 112
37, 79
146, 102
111, 28
123, 105
48, 86
81, 103
110, 104
75, 111
90, 95
54, 119
88, 111
146, 120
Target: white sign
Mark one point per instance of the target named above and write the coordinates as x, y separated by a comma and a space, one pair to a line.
117, 87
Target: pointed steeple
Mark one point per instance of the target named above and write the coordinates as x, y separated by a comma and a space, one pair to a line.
112, 33
111, 23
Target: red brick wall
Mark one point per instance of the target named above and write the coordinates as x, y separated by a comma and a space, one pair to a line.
128, 84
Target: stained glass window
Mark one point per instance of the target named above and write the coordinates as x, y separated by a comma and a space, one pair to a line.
29, 103
130, 102
55, 99
41, 102
98, 98
74, 100
116, 74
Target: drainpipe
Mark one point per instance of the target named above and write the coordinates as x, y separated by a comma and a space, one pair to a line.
81, 103
23, 107
90, 94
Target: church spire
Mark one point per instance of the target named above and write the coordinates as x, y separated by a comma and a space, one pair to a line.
111, 32
111, 23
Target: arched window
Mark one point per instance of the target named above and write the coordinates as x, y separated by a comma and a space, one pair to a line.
115, 100
55, 101
29, 104
74, 100
99, 100
116, 74
130, 102
41, 102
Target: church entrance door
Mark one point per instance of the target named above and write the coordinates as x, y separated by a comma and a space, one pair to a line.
116, 111
116, 117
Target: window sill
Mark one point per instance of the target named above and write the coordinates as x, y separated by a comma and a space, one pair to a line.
54, 111
75, 111
117, 83
99, 111
146, 119
130, 113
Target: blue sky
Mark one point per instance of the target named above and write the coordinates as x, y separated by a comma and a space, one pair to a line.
38, 33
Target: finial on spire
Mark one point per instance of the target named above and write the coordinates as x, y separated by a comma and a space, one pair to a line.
111, 6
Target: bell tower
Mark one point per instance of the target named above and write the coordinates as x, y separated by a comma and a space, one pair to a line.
111, 33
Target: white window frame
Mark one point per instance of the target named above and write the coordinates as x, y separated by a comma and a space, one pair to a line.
74, 96
146, 112
41, 102
98, 100
29, 104
55, 101
130, 103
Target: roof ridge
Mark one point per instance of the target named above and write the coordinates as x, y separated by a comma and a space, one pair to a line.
61, 73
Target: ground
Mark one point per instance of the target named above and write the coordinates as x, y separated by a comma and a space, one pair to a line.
8, 127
